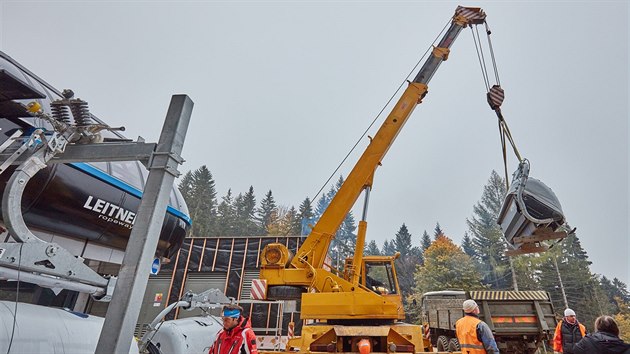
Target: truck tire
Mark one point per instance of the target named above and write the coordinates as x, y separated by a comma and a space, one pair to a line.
442, 344
284, 292
453, 345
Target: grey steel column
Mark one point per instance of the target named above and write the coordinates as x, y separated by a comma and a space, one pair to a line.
123, 311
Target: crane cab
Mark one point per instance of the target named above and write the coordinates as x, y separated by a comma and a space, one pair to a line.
378, 274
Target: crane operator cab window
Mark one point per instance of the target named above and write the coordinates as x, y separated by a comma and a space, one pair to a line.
380, 278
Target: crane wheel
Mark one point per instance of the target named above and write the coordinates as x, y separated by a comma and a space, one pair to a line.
442, 344
284, 292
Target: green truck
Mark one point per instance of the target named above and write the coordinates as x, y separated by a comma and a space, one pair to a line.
522, 322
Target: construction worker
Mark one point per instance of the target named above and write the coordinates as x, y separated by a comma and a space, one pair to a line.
604, 341
474, 335
237, 336
568, 333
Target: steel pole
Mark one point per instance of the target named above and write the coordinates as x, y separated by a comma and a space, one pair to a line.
123, 311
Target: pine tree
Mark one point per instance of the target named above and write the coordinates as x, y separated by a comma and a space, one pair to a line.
306, 217
226, 211
203, 201
388, 248
468, 246
372, 249
583, 290
437, 231
323, 203
295, 227
186, 187
487, 237
267, 213
426, 241
245, 205
408, 260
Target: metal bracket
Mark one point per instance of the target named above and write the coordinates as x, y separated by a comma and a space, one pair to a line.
51, 263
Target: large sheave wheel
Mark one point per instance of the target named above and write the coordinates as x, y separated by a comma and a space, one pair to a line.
442, 344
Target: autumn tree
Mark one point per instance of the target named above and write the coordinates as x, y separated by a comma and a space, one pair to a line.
446, 266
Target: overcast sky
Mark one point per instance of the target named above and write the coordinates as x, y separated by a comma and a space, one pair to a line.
283, 90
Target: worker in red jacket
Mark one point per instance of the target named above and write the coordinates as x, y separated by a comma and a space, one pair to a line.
568, 333
237, 336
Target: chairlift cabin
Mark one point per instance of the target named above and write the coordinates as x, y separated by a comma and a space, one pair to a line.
530, 214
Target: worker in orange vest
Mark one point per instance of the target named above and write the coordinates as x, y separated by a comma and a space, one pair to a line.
474, 335
568, 333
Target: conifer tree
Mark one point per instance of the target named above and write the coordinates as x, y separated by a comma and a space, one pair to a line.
226, 211
583, 290
388, 248
437, 231
186, 186
202, 201
245, 205
425, 242
372, 249
306, 217
295, 222
487, 237
267, 213
468, 246
408, 260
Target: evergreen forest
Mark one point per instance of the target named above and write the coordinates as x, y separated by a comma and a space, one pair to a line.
434, 263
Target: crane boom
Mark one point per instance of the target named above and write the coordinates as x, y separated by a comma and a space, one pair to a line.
313, 251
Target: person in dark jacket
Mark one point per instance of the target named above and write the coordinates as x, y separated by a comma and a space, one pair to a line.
604, 341
568, 333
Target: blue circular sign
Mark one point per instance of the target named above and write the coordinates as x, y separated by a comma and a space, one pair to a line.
155, 266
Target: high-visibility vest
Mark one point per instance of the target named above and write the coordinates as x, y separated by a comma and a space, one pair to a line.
466, 329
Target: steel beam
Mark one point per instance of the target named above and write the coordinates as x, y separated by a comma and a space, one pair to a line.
123, 311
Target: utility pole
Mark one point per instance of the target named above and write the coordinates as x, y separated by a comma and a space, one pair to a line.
514, 283
564, 295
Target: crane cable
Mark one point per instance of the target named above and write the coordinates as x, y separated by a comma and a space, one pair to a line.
495, 96
406, 80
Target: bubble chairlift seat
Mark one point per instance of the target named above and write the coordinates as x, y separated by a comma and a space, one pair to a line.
530, 214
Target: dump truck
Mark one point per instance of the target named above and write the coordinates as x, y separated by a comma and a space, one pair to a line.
522, 321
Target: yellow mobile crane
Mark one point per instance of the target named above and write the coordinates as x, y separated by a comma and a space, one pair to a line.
350, 307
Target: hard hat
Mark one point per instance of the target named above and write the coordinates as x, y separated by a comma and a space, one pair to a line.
469, 306
569, 312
